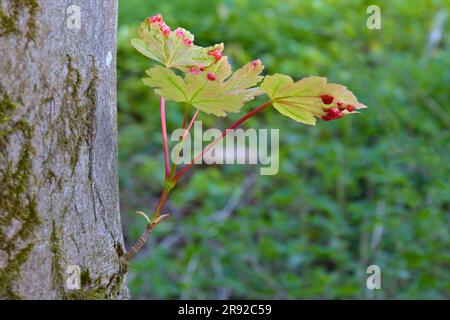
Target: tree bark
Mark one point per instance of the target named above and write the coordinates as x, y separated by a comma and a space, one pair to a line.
59, 204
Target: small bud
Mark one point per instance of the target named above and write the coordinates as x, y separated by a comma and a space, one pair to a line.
211, 76
327, 99
187, 41
350, 108
201, 68
326, 118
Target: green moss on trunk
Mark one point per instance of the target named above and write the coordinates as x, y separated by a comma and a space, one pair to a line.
75, 124
9, 19
101, 288
57, 259
17, 200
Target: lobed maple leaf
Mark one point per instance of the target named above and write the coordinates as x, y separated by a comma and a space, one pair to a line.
309, 98
174, 49
213, 90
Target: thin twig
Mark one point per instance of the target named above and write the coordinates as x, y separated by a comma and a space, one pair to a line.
143, 238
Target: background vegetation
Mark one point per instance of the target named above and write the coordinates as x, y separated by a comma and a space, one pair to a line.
368, 189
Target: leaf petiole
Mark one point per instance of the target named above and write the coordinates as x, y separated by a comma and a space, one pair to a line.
213, 143
164, 136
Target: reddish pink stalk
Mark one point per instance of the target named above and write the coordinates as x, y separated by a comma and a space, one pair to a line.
190, 125
212, 144
164, 136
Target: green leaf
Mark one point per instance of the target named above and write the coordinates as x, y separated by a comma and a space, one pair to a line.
167, 83
243, 80
171, 50
301, 100
217, 97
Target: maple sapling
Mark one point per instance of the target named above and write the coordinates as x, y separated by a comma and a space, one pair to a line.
221, 92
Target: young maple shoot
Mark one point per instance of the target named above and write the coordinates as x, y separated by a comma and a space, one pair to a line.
204, 80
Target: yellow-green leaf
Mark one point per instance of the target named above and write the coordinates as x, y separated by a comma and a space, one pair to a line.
167, 83
302, 100
244, 80
217, 97
174, 50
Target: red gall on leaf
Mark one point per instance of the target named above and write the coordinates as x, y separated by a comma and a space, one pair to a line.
326, 98
165, 29
193, 70
187, 42
196, 70
156, 18
256, 63
216, 54
180, 32
350, 108
211, 76
333, 112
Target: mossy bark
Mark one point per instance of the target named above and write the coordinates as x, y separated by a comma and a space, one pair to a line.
58, 150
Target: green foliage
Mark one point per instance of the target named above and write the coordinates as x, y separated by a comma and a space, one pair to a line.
311, 230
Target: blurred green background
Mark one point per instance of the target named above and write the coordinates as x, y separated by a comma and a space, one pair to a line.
368, 189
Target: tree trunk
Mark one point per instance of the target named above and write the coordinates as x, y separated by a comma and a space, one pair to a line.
60, 229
